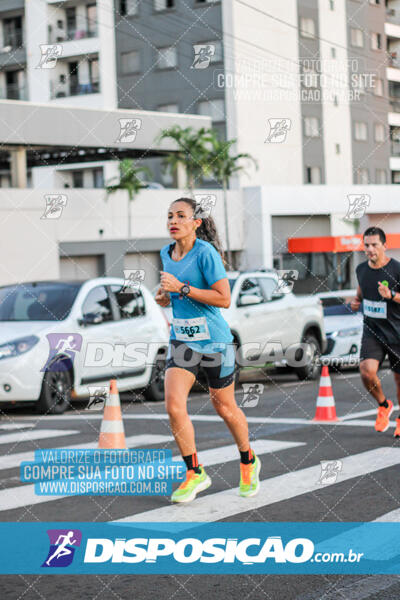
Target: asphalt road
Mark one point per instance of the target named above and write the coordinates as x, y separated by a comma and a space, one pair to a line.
283, 414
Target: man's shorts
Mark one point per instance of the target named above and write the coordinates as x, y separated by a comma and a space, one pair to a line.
218, 367
372, 347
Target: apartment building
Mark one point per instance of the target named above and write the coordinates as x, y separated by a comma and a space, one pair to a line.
311, 88
60, 53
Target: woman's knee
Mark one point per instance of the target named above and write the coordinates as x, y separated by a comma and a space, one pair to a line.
175, 407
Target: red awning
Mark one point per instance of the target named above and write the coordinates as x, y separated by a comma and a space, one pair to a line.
336, 243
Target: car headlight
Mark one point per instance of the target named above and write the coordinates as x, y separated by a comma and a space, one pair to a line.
348, 332
17, 347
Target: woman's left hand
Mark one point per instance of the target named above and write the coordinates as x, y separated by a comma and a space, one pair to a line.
169, 283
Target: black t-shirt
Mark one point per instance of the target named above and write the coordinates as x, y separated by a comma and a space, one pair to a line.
381, 316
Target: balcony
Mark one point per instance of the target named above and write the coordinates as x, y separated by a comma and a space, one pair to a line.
13, 92
393, 16
12, 40
59, 36
73, 88
395, 148
394, 60
394, 104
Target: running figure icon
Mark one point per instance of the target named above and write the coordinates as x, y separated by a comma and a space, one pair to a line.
62, 549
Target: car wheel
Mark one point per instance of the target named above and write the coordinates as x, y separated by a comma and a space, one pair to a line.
312, 369
154, 391
55, 396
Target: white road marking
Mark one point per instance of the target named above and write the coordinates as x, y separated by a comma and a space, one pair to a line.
10, 426
39, 434
24, 495
222, 505
11, 461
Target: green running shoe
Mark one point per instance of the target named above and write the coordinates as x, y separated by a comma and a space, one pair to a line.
249, 478
195, 483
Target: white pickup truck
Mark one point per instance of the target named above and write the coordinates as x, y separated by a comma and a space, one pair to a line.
265, 314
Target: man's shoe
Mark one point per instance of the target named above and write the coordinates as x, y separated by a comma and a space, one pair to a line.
194, 483
397, 430
382, 419
249, 478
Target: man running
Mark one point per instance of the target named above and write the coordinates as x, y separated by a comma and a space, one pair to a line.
378, 290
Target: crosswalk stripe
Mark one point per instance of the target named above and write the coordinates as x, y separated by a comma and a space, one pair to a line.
227, 503
39, 434
10, 426
24, 495
11, 461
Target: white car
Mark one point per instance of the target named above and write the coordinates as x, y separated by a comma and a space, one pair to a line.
343, 328
262, 310
61, 339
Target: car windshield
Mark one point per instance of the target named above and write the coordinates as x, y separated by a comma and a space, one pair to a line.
47, 301
231, 282
336, 306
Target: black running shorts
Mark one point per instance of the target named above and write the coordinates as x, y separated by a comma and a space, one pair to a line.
372, 347
219, 375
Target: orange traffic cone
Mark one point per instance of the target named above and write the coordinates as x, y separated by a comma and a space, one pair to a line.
112, 433
326, 410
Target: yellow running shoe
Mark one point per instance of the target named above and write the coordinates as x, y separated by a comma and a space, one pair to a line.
249, 478
194, 483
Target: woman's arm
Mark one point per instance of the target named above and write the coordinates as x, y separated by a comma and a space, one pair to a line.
219, 294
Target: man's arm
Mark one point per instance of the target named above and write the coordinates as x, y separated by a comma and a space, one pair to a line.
355, 303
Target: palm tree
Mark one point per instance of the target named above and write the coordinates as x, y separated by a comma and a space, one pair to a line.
191, 153
129, 181
222, 165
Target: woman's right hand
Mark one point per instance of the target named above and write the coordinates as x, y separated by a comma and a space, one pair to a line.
162, 298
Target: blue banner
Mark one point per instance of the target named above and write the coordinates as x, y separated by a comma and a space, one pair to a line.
203, 548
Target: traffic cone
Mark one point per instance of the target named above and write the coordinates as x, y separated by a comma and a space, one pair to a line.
112, 433
326, 410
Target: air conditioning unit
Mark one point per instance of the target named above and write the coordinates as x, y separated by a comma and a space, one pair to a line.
5, 49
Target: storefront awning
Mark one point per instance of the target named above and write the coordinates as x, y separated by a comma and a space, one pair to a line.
336, 243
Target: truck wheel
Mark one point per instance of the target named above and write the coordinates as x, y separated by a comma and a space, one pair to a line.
55, 396
312, 369
154, 391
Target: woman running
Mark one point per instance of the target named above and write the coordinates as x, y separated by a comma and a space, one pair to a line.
194, 280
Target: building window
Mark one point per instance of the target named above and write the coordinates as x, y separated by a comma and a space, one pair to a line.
380, 176
170, 108
130, 62
379, 132
167, 57
356, 37
311, 127
310, 77
313, 175
362, 176
337, 148
212, 108
77, 179
128, 8
163, 4
358, 82
331, 4
376, 41
360, 131
376, 2
378, 87
307, 27
333, 52
98, 178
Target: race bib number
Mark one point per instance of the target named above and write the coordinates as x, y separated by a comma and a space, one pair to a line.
191, 329
376, 310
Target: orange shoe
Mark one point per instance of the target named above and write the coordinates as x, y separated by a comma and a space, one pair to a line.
382, 419
397, 430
